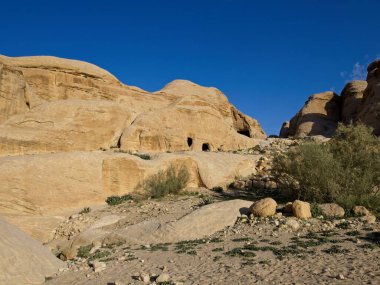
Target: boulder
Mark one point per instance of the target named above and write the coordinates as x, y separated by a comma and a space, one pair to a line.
332, 210
301, 209
361, 211
370, 219
23, 259
264, 208
319, 116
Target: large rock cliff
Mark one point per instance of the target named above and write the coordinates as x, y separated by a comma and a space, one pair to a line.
359, 101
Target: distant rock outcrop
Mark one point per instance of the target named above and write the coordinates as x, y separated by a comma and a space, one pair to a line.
319, 116
369, 112
352, 95
359, 102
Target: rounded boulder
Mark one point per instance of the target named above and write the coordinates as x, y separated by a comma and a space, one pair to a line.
264, 208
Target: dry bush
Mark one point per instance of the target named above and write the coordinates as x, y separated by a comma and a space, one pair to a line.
169, 181
346, 170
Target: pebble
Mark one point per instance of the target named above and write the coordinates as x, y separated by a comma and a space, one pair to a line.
144, 277
340, 276
163, 277
99, 266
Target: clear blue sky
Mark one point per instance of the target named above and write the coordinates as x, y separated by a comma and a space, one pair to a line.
266, 56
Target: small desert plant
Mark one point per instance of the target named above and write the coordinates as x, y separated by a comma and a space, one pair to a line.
116, 200
217, 189
346, 170
169, 181
144, 156
84, 251
85, 210
316, 211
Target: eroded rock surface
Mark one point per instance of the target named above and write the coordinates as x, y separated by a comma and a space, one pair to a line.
23, 259
45, 93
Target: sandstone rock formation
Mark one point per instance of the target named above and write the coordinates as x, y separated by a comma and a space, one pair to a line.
369, 112
198, 224
319, 116
57, 114
352, 96
359, 102
62, 103
37, 191
24, 260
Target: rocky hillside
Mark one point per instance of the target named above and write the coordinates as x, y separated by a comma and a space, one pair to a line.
51, 104
71, 134
358, 101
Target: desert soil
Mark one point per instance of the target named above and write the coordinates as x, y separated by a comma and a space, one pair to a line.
253, 251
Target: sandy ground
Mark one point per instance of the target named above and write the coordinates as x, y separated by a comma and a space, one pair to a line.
254, 251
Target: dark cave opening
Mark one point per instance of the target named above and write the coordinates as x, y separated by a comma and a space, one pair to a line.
205, 147
189, 142
245, 133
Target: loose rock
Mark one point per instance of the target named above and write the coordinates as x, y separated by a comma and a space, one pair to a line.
264, 207
163, 277
332, 210
301, 209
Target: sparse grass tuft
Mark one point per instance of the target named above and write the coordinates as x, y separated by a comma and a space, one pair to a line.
336, 249
116, 200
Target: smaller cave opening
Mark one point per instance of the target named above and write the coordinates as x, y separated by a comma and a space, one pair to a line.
189, 142
205, 147
244, 133
119, 142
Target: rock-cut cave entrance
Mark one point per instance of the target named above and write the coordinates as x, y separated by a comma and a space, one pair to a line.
244, 133
205, 147
189, 142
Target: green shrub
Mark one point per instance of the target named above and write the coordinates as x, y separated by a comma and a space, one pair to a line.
316, 211
346, 170
169, 181
116, 200
84, 251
